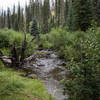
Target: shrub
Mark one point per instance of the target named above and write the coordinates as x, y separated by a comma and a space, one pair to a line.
5, 51
8, 37
82, 49
85, 85
44, 42
60, 37
68, 53
66, 43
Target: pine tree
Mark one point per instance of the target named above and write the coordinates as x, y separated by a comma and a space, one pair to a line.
4, 19
98, 13
32, 3
36, 9
22, 19
46, 16
82, 14
94, 9
16, 28
27, 16
57, 9
8, 18
52, 17
62, 9
13, 17
59, 6
70, 15
40, 14
34, 28
19, 17
66, 10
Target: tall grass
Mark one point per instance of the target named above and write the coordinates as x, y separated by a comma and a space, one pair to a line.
15, 87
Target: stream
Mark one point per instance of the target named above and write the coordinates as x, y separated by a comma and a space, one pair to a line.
50, 70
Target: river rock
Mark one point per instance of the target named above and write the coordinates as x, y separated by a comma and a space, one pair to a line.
6, 59
39, 64
21, 74
32, 76
62, 64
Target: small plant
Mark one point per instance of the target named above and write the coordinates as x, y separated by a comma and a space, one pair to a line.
34, 28
8, 37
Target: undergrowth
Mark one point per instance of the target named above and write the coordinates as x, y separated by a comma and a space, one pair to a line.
15, 87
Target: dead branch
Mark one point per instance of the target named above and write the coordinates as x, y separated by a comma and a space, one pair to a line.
15, 56
1, 54
24, 46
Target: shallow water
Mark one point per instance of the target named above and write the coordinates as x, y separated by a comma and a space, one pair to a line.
50, 70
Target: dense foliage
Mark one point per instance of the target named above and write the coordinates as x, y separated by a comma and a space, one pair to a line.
86, 81
82, 14
8, 37
66, 43
72, 27
15, 87
34, 29
82, 51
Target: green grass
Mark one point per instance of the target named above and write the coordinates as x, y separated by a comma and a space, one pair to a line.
8, 37
15, 87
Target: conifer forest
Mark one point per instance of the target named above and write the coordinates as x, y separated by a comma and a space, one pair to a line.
50, 50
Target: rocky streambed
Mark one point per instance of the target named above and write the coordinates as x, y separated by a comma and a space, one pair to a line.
49, 68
